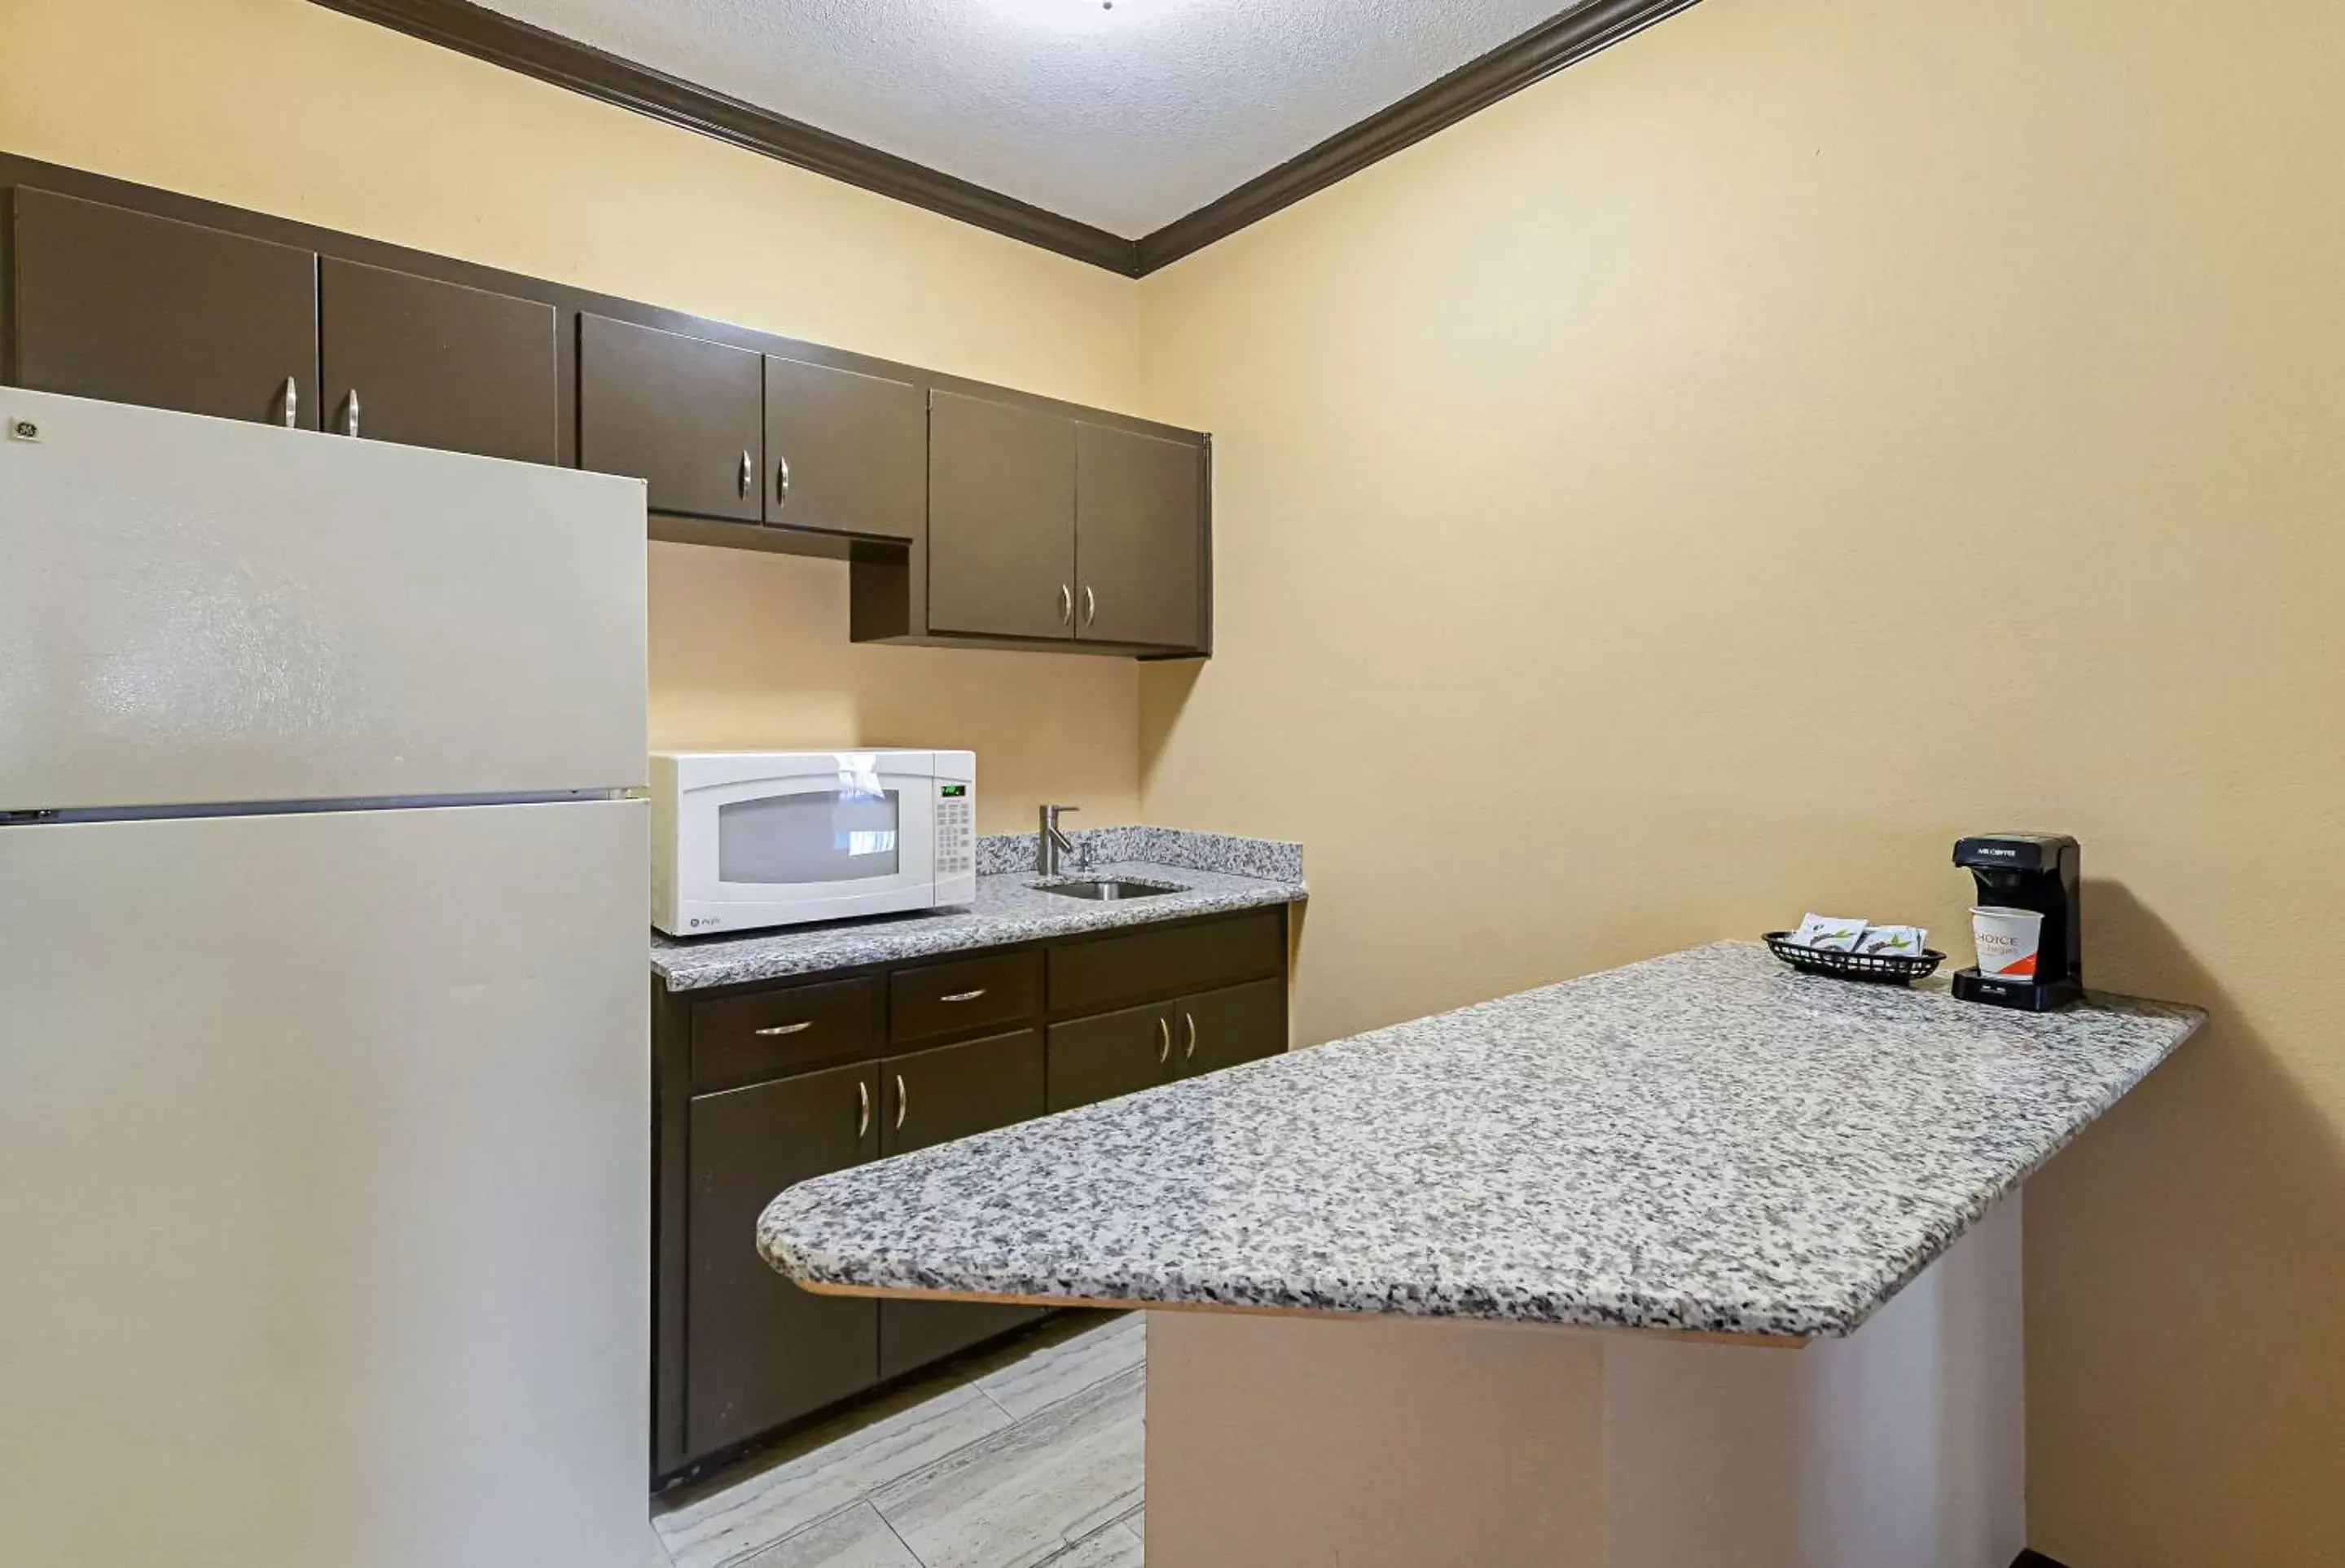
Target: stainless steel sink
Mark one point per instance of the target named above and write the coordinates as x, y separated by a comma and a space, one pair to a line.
1106, 887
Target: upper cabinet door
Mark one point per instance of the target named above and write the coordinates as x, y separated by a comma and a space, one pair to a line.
684, 414
121, 305
1002, 519
1140, 537
429, 363
844, 453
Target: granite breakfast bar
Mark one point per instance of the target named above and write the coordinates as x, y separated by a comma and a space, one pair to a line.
1693, 1261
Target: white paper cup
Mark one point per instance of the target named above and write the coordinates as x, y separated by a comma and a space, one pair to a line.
2006, 941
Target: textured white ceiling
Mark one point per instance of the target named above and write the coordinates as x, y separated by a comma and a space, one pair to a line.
1126, 117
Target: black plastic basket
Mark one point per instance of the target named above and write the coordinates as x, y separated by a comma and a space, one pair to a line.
1882, 968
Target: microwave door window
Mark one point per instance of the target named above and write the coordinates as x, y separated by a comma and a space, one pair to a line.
843, 835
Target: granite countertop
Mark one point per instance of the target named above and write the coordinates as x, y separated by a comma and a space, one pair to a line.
1705, 1142
1212, 872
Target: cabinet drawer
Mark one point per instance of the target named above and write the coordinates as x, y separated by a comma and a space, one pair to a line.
939, 999
784, 1030
1116, 969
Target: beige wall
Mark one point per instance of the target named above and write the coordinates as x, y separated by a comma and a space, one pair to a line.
285, 108
1701, 487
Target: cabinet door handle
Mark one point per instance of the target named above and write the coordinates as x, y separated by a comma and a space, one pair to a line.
903, 1100
863, 1108
800, 1027
781, 482
963, 995
1066, 606
291, 397
1091, 604
748, 471
350, 411
1189, 1036
1163, 1041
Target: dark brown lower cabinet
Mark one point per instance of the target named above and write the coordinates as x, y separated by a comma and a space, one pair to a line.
934, 1096
764, 1351
1222, 1028
1094, 1059
761, 1086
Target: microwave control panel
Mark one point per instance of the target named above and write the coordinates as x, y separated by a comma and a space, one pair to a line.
955, 829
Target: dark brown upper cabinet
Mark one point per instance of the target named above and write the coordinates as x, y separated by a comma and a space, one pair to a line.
1139, 539
967, 515
110, 303
429, 364
1001, 520
684, 414
844, 453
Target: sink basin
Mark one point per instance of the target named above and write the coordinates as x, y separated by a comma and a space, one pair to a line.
1106, 887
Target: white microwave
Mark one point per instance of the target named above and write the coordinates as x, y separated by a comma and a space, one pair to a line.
744, 839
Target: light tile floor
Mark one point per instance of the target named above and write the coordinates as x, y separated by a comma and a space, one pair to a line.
1030, 1455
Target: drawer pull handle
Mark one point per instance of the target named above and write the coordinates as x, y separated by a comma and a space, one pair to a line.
800, 1027
862, 1109
1189, 1032
292, 396
963, 995
903, 1100
1163, 1041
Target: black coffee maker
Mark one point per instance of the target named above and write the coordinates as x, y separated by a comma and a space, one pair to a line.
2040, 872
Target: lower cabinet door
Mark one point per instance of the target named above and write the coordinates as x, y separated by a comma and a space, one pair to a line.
931, 1097
1094, 1059
1218, 1029
761, 1351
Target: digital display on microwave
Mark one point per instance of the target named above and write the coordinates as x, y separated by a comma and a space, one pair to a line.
953, 791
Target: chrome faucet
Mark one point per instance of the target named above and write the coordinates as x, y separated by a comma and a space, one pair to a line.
1051, 843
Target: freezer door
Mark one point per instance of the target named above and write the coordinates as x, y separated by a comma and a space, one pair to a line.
324, 1177
201, 610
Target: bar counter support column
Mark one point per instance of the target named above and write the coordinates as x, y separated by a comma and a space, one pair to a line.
1390, 1443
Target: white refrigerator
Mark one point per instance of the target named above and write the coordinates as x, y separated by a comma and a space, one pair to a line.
324, 1097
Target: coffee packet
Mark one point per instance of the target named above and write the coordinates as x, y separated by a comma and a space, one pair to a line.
1828, 934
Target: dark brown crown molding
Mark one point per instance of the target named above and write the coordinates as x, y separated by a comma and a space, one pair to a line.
1521, 61
1513, 66
504, 41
